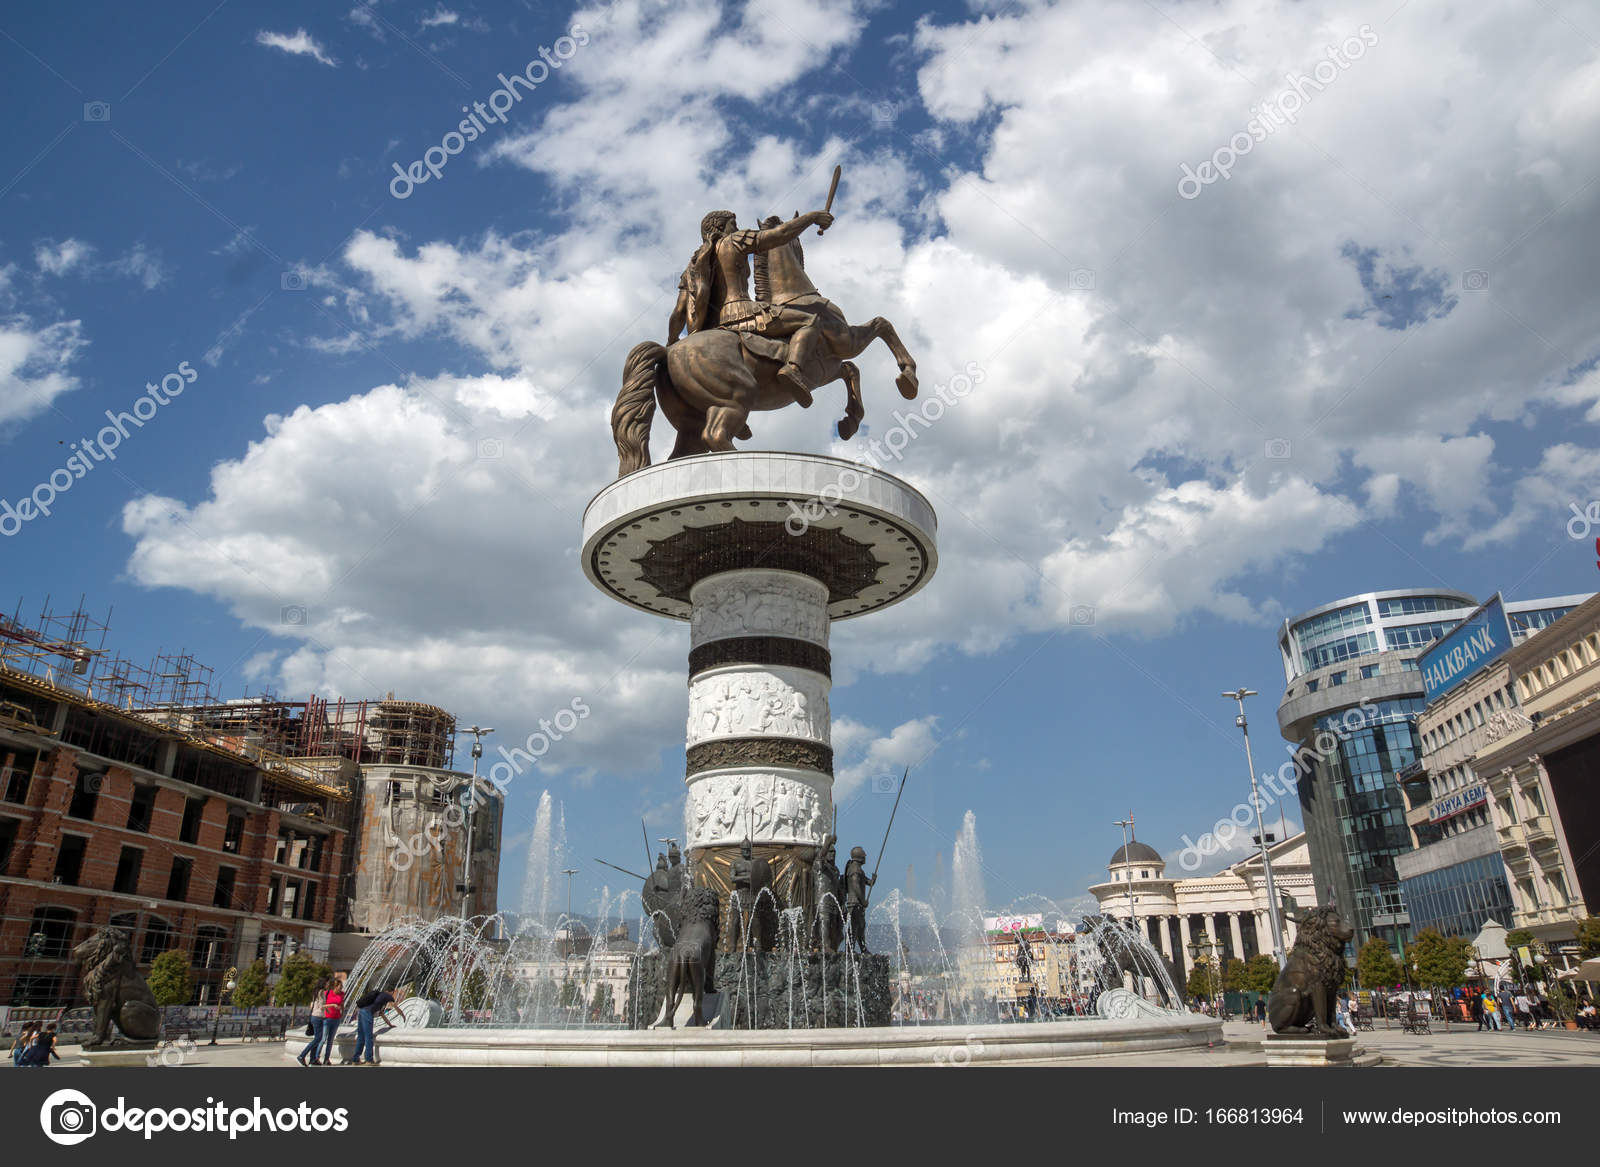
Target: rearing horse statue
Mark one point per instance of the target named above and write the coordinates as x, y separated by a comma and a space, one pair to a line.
710, 382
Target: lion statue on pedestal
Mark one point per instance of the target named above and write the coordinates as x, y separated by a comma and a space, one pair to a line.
115, 988
1307, 990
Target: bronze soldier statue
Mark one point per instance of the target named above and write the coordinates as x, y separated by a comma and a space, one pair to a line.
829, 927
754, 916
856, 883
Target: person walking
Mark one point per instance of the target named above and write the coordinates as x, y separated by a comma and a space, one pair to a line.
319, 1004
1507, 1009
1491, 1010
43, 1047
19, 1047
1475, 1005
371, 1005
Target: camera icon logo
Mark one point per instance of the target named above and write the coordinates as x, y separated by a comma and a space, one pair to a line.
96, 111
885, 784
68, 1117
292, 614
1279, 449
883, 114
1081, 616
1475, 281
489, 448
293, 281
1081, 279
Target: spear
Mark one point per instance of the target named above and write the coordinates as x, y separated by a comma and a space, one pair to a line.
624, 870
646, 835
887, 829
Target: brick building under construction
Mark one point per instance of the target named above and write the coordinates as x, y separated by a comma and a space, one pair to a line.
230, 831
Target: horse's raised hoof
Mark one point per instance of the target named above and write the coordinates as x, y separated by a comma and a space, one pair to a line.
906, 382
847, 428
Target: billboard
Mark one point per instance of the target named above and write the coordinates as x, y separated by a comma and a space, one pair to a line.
1462, 800
1465, 649
1004, 924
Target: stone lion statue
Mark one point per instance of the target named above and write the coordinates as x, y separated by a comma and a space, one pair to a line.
692, 963
1307, 989
115, 988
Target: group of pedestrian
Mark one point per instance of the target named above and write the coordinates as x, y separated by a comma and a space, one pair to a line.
35, 1045
328, 1011
1502, 1009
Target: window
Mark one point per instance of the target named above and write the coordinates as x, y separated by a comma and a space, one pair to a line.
1311, 686
16, 771
69, 859
189, 832
8, 841
85, 794
291, 897
210, 947
310, 910
39, 992
1368, 672
158, 937
233, 837
128, 864
226, 877
274, 894
1336, 678
178, 881
142, 809
50, 934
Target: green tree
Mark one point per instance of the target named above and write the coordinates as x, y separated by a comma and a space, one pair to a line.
1376, 965
1234, 977
251, 989
1261, 973
297, 984
170, 981
1589, 938
570, 996
1562, 1003
1202, 979
1439, 963
602, 1000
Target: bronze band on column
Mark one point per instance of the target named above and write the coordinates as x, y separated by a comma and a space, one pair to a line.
761, 650
793, 753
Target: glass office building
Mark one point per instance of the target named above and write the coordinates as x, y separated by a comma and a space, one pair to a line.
1351, 699
1459, 899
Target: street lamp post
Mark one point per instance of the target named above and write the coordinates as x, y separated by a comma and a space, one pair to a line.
1126, 824
478, 733
1243, 723
230, 979
1204, 944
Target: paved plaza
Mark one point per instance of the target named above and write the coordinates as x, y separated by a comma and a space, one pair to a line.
1460, 1046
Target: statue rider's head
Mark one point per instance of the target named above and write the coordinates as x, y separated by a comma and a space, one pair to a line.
661, 861
858, 854
744, 849
717, 224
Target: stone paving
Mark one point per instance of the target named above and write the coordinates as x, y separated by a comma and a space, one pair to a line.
1460, 1046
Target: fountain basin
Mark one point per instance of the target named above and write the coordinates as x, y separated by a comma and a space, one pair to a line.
1030, 1043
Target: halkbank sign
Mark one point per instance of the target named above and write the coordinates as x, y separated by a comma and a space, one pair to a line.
1465, 649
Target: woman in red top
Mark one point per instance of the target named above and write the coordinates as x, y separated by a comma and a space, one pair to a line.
332, 1011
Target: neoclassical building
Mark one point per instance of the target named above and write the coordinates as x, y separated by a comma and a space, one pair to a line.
1230, 907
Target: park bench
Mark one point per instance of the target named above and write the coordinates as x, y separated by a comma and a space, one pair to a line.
265, 1027
1362, 1019
1414, 1022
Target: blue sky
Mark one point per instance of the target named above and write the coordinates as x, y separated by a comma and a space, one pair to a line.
1363, 359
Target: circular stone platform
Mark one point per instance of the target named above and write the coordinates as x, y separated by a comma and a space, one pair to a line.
866, 535
1039, 1042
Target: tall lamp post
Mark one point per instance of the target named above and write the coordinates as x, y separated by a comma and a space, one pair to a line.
1204, 945
1126, 825
478, 733
229, 980
1261, 831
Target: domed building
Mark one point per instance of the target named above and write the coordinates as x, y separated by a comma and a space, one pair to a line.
1229, 906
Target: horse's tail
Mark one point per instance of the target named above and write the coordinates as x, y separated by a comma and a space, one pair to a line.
636, 406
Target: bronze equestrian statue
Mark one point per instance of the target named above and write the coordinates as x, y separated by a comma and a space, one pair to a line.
739, 355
